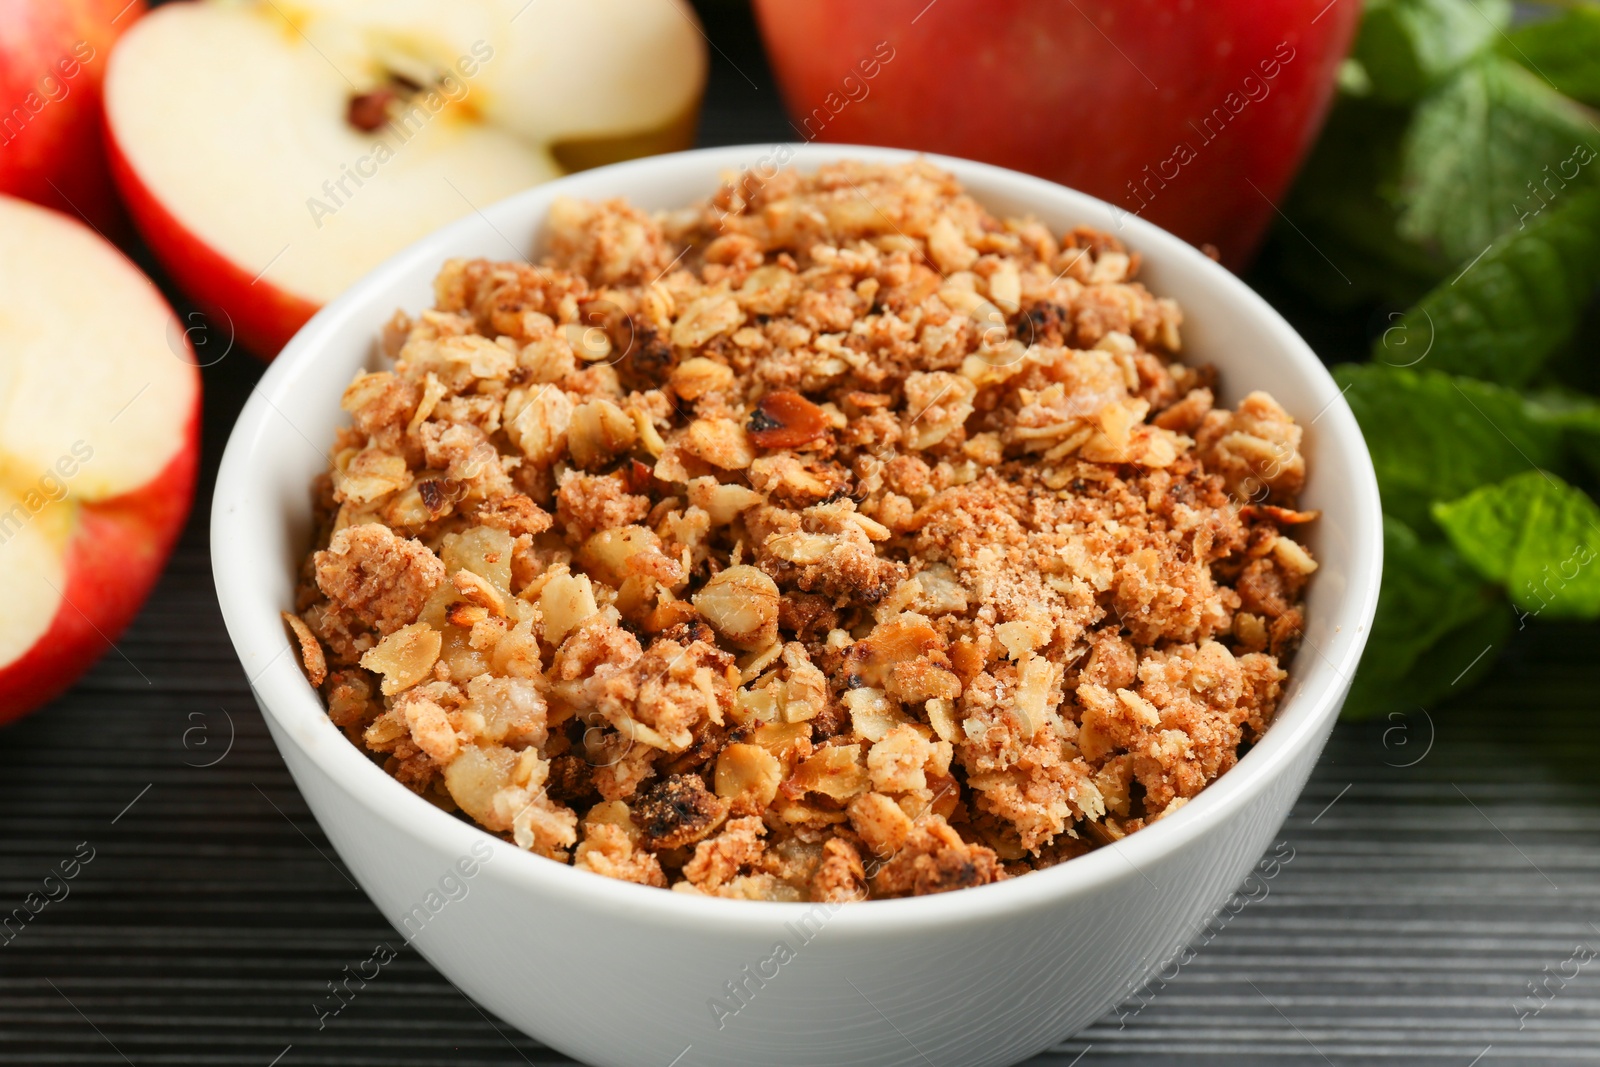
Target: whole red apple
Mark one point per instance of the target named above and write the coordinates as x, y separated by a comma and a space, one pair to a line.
99, 434
1193, 114
52, 62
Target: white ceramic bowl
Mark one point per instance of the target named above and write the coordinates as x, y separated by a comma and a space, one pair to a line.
616, 973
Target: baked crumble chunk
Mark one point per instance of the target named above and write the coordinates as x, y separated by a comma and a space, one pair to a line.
830, 539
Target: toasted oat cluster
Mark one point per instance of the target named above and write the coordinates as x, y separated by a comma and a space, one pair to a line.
831, 539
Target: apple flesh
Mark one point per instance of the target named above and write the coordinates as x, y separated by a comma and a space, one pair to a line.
270, 163
1194, 116
53, 57
99, 434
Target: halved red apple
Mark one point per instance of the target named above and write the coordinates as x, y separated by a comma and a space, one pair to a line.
53, 56
271, 153
99, 433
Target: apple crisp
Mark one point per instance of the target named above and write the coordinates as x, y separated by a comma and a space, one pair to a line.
830, 539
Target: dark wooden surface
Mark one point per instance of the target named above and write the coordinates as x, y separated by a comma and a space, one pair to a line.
1441, 867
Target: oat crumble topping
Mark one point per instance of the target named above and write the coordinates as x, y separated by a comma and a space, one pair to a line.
830, 539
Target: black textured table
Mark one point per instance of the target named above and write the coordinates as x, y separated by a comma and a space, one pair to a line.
1435, 897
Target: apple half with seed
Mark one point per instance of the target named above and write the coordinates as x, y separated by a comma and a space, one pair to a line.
271, 153
99, 434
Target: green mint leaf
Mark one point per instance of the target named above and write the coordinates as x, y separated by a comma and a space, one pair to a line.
1537, 536
1346, 250
1435, 436
1578, 415
1504, 314
1430, 598
1449, 667
1566, 408
1587, 448
1488, 149
1564, 49
1407, 46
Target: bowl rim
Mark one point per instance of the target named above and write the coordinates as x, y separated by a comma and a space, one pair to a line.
255, 627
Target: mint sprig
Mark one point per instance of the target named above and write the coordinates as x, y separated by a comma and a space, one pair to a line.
1459, 178
1406, 47
1436, 436
1562, 50
1535, 535
1512, 306
1433, 605
1491, 147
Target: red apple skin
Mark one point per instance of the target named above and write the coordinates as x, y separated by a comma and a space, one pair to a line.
53, 57
262, 316
1088, 93
115, 555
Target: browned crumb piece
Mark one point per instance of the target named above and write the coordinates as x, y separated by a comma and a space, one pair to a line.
1187, 414
311, 657
610, 847
376, 577
737, 851
669, 690
1256, 449
589, 502
515, 513
351, 701
832, 538
678, 811
619, 765
609, 243
607, 850
571, 779
840, 876
934, 859
808, 616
